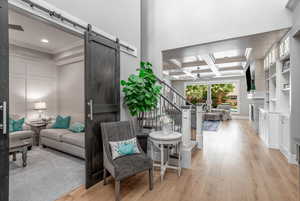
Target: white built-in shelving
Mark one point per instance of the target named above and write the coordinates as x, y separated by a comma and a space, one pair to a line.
278, 100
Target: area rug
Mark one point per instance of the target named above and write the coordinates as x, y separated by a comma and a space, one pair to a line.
48, 175
211, 125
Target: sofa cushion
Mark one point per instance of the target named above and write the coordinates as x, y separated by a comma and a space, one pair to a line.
76, 139
54, 134
19, 135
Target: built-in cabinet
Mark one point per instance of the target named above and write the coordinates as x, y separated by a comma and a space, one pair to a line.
274, 117
284, 136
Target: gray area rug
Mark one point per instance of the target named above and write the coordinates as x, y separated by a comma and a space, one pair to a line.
211, 125
49, 174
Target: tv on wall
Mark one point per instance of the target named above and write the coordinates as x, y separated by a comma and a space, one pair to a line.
248, 79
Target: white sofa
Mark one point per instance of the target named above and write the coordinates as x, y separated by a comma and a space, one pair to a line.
64, 140
25, 135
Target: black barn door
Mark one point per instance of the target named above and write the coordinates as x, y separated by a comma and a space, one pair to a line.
102, 96
4, 168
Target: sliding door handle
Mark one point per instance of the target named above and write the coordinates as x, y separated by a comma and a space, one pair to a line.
90, 115
3, 125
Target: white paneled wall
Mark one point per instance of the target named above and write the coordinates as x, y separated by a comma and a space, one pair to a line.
33, 77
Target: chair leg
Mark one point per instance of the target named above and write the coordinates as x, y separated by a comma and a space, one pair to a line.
104, 177
117, 190
151, 179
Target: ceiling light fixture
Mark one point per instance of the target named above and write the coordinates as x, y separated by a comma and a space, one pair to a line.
44, 40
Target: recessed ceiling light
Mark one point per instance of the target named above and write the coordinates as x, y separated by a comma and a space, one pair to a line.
44, 40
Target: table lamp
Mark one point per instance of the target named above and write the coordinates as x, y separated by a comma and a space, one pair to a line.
40, 106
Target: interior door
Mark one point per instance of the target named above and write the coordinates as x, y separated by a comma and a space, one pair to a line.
102, 96
4, 84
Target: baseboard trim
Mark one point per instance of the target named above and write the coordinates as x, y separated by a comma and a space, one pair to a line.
240, 117
291, 158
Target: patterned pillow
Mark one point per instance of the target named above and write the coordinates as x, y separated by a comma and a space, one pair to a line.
126, 147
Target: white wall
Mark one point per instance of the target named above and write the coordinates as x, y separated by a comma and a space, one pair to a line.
295, 81
71, 90
119, 18
33, 78
244, 102
171, 24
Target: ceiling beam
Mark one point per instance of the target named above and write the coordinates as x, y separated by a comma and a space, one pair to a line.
231, 68
176, 73
176, 62
230, 60
194, 63
209, 59
202, 71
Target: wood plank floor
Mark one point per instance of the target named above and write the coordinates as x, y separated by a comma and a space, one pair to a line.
233, 166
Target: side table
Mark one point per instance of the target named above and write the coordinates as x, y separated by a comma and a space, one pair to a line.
166, 139
36, 128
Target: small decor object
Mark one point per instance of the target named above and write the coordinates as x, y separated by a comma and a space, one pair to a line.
286, 65
141, 91
125, 147
77, 127
167, 124
62, 122
40, 107
286, 86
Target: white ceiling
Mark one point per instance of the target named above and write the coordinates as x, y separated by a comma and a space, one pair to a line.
35, 30
223, 58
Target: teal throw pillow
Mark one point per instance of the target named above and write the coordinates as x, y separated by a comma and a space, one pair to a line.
77, 127
62, 122
125, 147
18, 124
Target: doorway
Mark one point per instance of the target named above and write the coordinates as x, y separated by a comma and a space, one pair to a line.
87, 100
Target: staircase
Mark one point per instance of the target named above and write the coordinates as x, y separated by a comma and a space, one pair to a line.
170, 104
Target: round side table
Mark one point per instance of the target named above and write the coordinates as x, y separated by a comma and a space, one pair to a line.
162, 139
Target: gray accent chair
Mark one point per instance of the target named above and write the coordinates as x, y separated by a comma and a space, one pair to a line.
124, 166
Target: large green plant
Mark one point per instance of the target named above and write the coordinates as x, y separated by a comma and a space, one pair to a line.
141, 91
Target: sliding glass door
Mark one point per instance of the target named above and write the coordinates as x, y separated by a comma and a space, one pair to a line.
225, 95
222, 95
196, 94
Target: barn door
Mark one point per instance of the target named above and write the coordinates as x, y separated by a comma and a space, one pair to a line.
102, 97
4, 168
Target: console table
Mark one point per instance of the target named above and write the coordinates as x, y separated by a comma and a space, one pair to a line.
161, 140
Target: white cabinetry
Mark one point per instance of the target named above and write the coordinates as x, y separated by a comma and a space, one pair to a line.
274, 131
269, 124
263, 125
284, 137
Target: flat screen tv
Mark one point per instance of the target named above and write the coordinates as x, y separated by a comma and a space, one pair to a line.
248, 79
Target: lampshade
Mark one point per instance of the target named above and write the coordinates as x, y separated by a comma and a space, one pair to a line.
40, 106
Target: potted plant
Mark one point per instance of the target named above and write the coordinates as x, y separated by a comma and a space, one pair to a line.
141, 91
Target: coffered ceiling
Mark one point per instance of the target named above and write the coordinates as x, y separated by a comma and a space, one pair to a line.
218, 59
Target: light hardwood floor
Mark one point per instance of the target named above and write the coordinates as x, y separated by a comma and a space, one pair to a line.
233, 166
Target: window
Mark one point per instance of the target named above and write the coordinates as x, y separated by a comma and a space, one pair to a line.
221, 93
